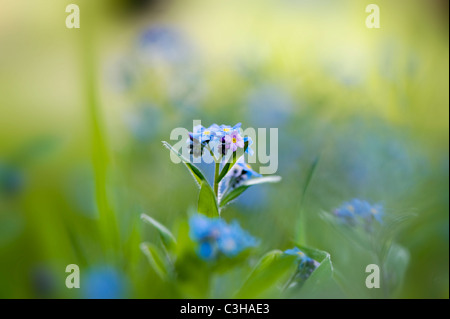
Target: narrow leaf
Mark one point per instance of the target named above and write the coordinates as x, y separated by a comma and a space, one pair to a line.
230, 163
301, 237
272, 269
397, 261
196, 173
234, 193
231, 195
155, 260
261, 180
166, 235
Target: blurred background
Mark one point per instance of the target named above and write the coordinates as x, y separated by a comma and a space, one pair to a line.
83, 112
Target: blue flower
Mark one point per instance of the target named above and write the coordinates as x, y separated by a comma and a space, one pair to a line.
104, 283
295, 252
249, 141
239, 173
227, 129
202, 227
306, 265
198, 139
219, 139
214, 237
357, 212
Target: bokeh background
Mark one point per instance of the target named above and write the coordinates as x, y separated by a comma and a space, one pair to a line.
83, 111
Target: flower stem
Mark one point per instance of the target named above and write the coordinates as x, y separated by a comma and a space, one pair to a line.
216, 179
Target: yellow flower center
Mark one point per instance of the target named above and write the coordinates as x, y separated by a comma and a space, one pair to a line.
234, 140
226, 129
207, 132
351, 208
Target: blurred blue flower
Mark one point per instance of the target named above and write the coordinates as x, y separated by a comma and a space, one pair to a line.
104, 283
306, 265
357, 212
163, 44
214, 236
43, 281
144, 122
12, 180
269, 106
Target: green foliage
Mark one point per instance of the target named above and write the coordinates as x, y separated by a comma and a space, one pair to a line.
207, 203
234, 193
268, 275
195, 172
165, 234
155, 259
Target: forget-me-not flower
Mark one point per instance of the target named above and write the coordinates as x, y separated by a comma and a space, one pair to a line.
357, 212
215, 237
306, 265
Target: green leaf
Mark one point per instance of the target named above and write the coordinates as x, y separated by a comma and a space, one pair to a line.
226, 168
165, 234
356, 235
231, 195
155, 260
266, 277
321, 282
301, 237
261, 180
397, 261
196, 173
207, 203
234, 193
390, 228
229, 165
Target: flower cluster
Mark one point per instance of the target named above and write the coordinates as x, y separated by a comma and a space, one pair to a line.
217, 139
214, 236
359, 213
306, 265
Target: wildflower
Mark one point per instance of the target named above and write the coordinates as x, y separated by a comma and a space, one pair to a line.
306, 265
240, 172
195, 146
198, 140
233, 141
214, 237
218, 139
104, 283
357, 212
249, 141
224, 130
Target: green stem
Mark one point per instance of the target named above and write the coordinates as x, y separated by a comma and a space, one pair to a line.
216, 179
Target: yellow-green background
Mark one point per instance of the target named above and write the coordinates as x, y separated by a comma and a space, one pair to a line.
373, 103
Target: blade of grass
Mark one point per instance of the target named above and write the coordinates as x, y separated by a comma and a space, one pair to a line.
107, 219
300, 234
